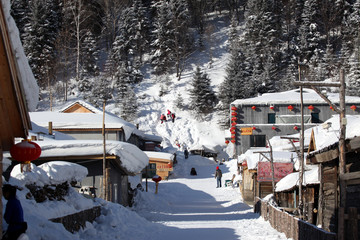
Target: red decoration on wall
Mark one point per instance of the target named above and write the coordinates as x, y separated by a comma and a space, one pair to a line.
233, 123
311, 107
233, 119
273, 128
271, 107
253, 128
296, 128
232, 128
331, 107
233, 114
232, 140
233, 108
227, 142
290, 107
353, 107
253, 108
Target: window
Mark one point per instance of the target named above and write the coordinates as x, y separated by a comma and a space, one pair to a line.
292, 119
257, 141
271, 117
315, 118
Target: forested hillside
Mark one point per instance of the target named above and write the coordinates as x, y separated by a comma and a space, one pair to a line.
104, 48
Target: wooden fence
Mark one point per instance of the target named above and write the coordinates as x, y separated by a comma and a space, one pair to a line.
292, 227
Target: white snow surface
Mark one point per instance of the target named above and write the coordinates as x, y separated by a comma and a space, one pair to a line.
292, 180
26, 77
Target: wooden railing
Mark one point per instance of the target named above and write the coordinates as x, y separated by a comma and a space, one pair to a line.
293, 227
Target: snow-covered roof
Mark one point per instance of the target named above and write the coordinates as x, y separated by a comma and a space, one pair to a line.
253, 158
159, 155
55, 172
131, 157
148, 137
84, 104
81, 121
26, 77
36, 130
293, 97
326, 136
203, 147
292, 180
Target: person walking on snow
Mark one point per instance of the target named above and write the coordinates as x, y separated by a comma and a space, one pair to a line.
162, 118
168, 113
218, 175
172, 117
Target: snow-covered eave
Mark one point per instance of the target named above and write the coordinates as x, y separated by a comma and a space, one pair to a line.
291, 181
132, 159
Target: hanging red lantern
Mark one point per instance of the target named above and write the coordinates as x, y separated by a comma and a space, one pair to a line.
353, 107
233, 114
227, 142
273, 128
232, 128
233, 108
232, 132
271, 107
232, 140
232, 136
331, 107
253, 128
233, 119
233, 123
311, 107
296, 128
244, 164
253, 108
25, 152
290, 107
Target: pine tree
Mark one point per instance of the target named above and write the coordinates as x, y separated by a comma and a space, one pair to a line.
101, 92
89, 55
129, 106
202, 97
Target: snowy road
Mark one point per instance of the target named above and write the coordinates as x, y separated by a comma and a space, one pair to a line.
193, 208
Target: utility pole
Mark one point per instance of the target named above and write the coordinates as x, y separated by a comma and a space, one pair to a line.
104, 156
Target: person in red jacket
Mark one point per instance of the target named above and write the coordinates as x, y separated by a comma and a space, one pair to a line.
162, 118
168, 113
172, 117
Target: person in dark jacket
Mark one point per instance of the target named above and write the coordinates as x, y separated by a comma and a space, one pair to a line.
172, 117
13, 215
193, 172
218, 175
186, 153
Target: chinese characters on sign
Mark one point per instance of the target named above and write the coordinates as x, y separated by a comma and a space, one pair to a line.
246, 131
264, 173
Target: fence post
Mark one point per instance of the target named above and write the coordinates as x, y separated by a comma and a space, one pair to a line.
353, 224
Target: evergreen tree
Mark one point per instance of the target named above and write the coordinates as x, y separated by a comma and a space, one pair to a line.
101, 92
202, 97
129, 106
89, 55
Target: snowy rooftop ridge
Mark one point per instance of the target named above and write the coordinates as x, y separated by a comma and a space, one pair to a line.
292, 180
84, 104
293, 97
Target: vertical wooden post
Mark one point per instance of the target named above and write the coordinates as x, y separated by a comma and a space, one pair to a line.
353, 224
301, 155
342, 159
104, 156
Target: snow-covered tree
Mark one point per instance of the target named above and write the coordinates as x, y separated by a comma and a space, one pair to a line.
202, 97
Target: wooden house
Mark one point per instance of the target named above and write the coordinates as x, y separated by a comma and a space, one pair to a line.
256, 172
333, 216
122, 160
16, 97
160, 163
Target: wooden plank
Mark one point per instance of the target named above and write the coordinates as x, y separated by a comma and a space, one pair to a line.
341, 224
325, 156
352, 224
350, 176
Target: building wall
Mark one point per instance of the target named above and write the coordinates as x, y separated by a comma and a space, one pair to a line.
94, 135
248, 118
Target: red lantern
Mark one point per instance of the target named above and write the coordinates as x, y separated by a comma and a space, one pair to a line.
232, 140
311, 107
244, 163
25, 152
233, 123
353, 107
296, 128
233, 114
253, 128
271, 107
156, 179
331, 107
226, 142
233, 136
232, 132
253, 108
233, 119
233, 108
273, 128
290, 108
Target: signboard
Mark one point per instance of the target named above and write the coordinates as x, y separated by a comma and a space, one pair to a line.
164, 167
264, 173
246, 131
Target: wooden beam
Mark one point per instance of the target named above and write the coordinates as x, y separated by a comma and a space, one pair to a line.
350, 176
320, 84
